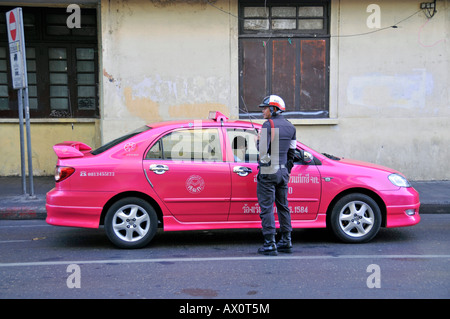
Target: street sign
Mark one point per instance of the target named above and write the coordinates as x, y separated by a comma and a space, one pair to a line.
14, 22
16, 38
12, 26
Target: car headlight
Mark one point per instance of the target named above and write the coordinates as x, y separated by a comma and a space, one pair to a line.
399, 180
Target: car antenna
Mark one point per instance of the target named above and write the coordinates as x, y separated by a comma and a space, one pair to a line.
248, 113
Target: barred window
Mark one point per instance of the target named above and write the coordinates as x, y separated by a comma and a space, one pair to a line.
62, 65
284, 50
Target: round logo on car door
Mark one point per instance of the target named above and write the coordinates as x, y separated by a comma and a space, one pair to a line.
195, 184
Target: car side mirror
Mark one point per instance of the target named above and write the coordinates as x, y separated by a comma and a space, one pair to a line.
304, 156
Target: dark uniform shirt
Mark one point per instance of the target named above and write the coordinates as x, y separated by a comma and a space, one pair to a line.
284, 138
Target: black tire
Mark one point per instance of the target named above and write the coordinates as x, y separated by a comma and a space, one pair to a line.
355, 218
131, 223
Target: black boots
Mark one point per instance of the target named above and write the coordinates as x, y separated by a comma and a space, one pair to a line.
272, 249
285, 243
269, 247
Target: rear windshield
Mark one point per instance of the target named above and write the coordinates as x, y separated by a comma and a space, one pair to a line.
119, 140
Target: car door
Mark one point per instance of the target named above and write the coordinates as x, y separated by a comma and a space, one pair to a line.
303, 189
186, 169
243, 158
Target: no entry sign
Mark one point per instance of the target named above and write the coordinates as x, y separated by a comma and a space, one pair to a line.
12, 26
14, 22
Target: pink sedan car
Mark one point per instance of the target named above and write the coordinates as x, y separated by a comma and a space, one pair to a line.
192, 175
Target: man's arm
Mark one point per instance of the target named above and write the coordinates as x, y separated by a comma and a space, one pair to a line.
263, 143
291, 152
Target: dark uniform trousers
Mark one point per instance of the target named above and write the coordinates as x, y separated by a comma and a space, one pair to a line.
270, 188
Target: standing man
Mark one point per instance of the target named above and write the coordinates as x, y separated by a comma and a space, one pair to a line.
277, 142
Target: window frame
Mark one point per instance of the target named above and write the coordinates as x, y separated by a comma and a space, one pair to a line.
263, 82
249, 158
36, 36
159, 140
285, 32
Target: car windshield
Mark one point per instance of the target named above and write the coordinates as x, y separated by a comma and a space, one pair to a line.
119, 140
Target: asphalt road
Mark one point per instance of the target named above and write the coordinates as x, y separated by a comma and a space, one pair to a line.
42, 261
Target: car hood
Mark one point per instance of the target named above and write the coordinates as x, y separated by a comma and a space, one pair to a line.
367, 165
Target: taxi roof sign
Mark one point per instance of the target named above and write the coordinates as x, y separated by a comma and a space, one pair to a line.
217, 116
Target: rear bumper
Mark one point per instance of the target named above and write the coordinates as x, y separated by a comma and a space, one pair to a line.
74, 209
402, 208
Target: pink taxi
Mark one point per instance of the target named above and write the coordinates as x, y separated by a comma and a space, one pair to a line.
193, 175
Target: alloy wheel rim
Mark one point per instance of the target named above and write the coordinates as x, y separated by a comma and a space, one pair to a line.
131, 223
356, 219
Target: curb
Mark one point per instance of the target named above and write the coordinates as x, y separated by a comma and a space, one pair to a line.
434, 196
23, 207
40, 213
434, 209
22, 213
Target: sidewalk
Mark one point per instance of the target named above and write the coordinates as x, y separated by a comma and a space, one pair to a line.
15, 205
434, 197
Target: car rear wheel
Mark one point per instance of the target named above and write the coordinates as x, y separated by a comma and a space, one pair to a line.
355, 218
131, 223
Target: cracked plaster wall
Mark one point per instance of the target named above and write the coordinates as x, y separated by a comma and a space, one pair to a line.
165, 60
389, 92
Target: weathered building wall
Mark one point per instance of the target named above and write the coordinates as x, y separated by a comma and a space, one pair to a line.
166, 60
390, 89
389, 96
170, 59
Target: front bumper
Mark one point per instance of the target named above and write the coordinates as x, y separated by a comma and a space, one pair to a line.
402, 207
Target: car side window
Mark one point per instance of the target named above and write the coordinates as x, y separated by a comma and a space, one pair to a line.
188, 145
243, 145
155, 152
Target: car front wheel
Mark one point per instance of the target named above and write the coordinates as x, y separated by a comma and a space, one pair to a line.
355, 218
131, 223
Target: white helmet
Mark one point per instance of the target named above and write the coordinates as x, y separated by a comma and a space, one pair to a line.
274, 100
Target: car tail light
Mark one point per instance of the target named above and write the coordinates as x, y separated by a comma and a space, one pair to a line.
63, 172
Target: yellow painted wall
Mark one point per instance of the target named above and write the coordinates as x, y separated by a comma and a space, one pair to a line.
44, 134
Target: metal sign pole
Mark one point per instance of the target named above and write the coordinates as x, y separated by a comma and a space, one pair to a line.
22, 144
16, 39
29, 151
27, 112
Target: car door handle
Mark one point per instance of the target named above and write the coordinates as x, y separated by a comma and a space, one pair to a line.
159, 168
242, 170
